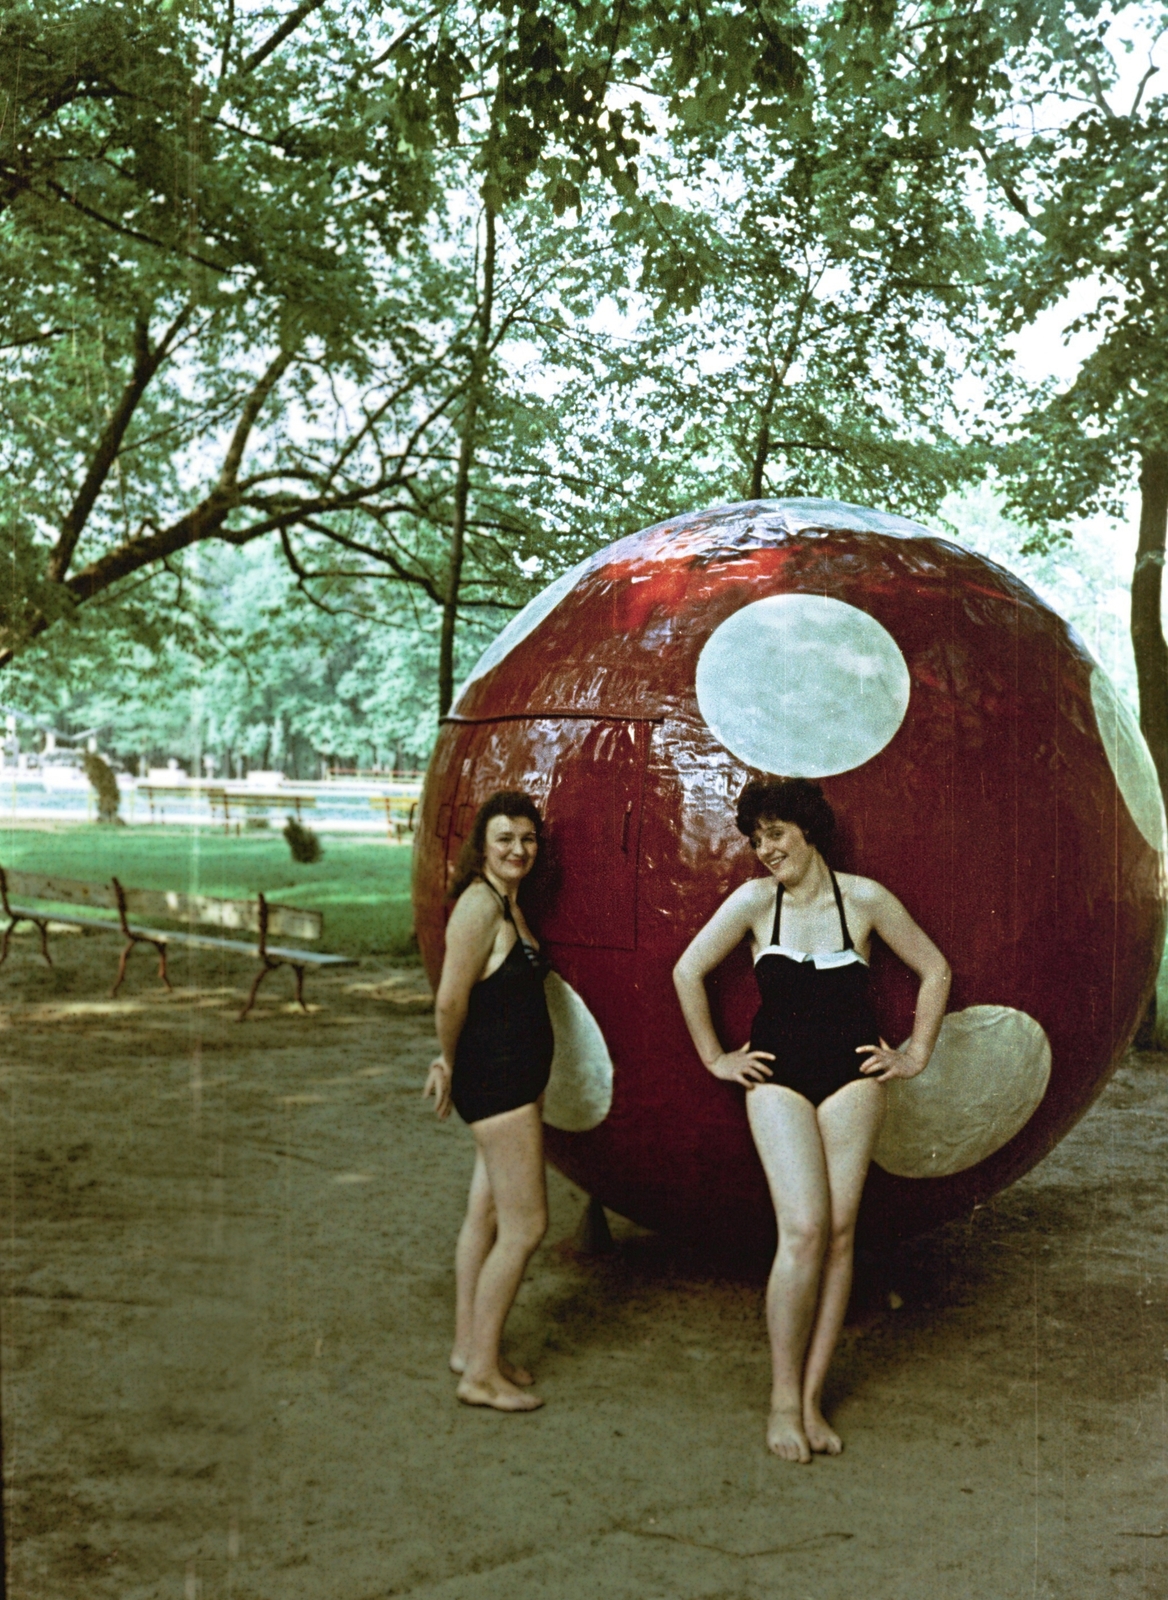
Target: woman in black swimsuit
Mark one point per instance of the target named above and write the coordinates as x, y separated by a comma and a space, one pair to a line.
496, 1041
811, 1069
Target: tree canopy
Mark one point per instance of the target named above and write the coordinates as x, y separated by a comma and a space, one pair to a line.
1085, 177
424, 302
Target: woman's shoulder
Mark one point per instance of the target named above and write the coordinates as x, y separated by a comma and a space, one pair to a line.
478, 904
752, 897
863, 891
866, 894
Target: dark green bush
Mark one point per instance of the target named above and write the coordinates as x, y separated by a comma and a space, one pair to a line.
304, 844
104, 785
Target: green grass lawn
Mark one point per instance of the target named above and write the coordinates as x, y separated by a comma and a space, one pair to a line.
361, 886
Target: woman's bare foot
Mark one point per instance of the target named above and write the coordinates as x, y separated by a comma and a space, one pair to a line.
497, 1393
785, 1436
513, 1374
824, 1440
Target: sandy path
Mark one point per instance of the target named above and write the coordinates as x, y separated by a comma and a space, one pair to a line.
225, 1314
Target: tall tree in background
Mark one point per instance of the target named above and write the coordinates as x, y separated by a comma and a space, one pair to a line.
240, 303
246, 673
207, 217
1088, 193
819, 298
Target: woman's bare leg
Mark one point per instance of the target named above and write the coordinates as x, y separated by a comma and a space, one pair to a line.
786, 1133
511, 1146
849, 1121
475, 1238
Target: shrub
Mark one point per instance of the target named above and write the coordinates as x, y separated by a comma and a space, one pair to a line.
304, 844
104, 785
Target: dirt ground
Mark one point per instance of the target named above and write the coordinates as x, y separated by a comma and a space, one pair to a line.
226, 1307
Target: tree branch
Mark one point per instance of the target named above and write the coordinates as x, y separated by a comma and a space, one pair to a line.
274, 40
405, 35
1097, 94
146, 364
34, 338
400, 572
1144, 81
229, 474
123, 228
228, 37
204, 521
1007, 188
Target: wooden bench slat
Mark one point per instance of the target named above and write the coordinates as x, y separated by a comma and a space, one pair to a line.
314, 958
284, 922
290, 921
64, 891
73, 919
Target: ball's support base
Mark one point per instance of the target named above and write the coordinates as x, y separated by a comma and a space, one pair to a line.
593, 1237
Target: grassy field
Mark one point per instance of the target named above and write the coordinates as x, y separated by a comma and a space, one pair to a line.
361, 885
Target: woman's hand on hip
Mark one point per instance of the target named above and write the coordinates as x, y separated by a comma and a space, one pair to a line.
438, 1084
884, 1063
744, 1066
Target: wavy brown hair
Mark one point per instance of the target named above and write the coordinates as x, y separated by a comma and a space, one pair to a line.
506, 803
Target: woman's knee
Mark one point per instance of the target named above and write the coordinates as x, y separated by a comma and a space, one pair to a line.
841, 1239
537, 1223
480, 1207
524, 1228
804, 1237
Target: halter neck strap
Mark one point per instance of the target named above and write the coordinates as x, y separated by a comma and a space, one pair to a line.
504, 903
845, 931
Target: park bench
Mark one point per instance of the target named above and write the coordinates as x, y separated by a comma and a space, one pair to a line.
252, 805
20, 893
400, 811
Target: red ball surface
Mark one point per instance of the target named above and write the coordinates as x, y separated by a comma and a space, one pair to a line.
979, 766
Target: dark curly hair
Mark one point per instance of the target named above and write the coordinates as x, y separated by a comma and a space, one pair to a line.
506, 803
794, 800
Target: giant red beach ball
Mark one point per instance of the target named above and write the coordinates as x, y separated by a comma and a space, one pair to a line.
980, 765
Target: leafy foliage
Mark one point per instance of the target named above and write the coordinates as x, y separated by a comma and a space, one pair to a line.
1091, 187
105, 786
248, 674
304, 843
436, 303
818, 301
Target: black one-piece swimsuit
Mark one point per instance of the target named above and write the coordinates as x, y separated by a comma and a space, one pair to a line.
815, 1011
504, 1053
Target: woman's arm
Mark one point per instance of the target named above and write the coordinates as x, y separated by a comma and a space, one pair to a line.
725, 929
914, 947
470, 933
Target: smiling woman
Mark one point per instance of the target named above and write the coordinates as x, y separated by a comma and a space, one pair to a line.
814, 1069
497, 1045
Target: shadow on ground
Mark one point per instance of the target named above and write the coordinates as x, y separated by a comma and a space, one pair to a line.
226, 1305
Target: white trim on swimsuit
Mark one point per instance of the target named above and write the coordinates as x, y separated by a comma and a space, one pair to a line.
827, 958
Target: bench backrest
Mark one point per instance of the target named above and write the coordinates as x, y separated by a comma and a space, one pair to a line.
61, 891
284, 922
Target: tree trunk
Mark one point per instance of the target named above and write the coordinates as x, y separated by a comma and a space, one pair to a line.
1151, 651
762, 451
462, 480
762, 444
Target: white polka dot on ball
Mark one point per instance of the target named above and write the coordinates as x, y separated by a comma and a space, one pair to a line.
1130, 759
579, 1092
802, 685
985, 1080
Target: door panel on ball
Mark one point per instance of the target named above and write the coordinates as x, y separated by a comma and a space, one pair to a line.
593, 813
586, 774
